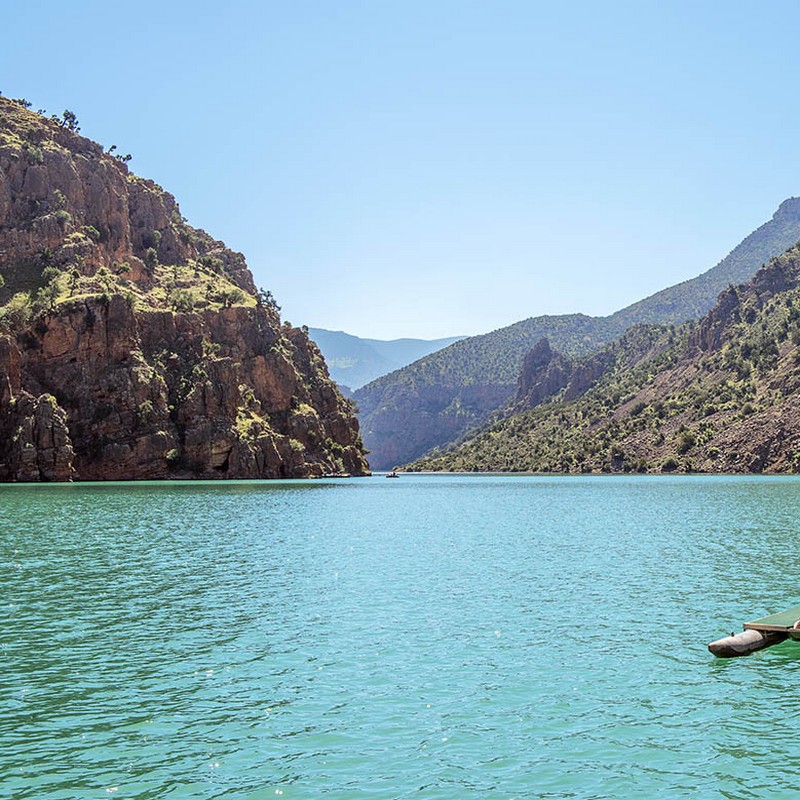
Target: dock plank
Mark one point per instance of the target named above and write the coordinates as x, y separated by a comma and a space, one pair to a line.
782, 621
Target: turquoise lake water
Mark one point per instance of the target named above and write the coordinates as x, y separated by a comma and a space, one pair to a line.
427, 637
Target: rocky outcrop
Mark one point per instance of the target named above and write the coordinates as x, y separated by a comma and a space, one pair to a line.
38, 446
544, 373
547, 374
396, 431
65, 202
133, 346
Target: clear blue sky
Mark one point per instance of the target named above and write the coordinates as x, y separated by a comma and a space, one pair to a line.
438, 168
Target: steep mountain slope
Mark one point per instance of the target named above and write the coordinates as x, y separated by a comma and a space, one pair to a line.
353, 361
693, 298
135, 346
718, 395
437, 399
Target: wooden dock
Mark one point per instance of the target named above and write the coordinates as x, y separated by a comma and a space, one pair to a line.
782, 622
760, 633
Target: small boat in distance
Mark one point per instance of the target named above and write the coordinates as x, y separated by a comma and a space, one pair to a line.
392, 474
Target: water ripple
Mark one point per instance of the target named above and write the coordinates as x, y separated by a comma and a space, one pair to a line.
437, 637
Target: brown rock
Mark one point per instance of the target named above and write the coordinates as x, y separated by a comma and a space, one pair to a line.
114, 384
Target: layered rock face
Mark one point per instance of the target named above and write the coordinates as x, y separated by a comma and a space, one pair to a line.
133, 346
544, 372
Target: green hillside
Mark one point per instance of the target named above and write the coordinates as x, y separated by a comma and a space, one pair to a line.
437, 399
718, 395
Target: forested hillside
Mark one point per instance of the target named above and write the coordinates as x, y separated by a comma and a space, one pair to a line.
718, 395
437, 399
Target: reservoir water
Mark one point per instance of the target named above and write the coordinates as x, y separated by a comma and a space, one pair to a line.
428, 637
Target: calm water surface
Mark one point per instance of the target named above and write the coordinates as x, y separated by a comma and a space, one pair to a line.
430, 637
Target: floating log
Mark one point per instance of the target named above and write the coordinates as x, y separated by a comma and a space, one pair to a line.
760, 633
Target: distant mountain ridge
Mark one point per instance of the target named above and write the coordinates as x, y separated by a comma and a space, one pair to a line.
437, 399
354, 362
721, 395
695, 297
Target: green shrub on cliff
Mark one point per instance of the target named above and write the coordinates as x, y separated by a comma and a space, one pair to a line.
91, 232
181, 300
17, 312
33, 153
232, 297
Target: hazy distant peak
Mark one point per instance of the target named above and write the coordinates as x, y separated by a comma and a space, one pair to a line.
788, 208
354, 361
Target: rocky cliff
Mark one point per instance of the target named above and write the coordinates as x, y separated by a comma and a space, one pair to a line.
133, 345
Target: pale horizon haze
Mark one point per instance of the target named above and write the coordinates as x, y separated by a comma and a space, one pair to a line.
440, 168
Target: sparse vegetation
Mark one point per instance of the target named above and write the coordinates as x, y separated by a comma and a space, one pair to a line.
669, 399
67, 120
181, 300
478, 376
16, 313
74, 267
33, 153
265, 298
